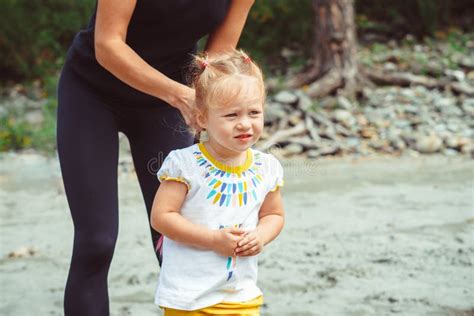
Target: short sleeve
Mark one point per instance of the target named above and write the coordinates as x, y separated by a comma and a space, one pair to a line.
174, 169
274, 174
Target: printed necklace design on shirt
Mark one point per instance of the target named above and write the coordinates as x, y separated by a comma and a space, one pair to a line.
222, 190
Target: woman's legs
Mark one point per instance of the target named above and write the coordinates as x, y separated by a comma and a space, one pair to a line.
87, 140
152, 135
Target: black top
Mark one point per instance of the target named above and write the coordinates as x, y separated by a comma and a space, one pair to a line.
163, 33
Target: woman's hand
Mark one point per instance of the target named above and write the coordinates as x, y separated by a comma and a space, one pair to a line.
250, 245
225, 240
184, 102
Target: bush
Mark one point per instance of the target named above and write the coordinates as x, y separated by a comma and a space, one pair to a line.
35, 35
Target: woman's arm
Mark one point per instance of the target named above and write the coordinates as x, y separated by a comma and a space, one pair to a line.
226, 36
112, 53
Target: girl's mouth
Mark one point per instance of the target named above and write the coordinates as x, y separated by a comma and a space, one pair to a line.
244, 136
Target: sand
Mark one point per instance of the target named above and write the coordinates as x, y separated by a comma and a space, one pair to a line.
378, 236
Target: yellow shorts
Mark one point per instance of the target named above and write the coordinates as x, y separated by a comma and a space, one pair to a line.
248, 308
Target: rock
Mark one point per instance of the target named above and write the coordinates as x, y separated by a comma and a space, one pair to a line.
389, 66
305, 102
294, 149
305, 141
353, 141
459, 75
342, 130
411, 109
428, 144
344, 103
361, 120
274, 112
320, 117
34, 118
344, 117
329, 150
22, 252
402, 123
286, 97
313, 132
341, 115
328, 103
468, 106
410, 138
444, 102
379, 144
328, 132
451, 111
313, 153
468, 149
398, 144
456, 142
450, 152
295, 118
368, 132
453, 126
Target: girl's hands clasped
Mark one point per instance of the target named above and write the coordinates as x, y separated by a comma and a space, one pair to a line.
250, 245
225, 240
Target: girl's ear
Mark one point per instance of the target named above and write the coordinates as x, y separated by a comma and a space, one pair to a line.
201, 120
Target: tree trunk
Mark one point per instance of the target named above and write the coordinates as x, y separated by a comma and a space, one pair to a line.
335, 50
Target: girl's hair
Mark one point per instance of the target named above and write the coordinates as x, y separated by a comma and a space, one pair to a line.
223, 79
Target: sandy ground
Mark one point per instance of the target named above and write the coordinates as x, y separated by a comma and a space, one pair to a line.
369, 237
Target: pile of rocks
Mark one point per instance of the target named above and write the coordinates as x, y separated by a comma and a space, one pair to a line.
390, 120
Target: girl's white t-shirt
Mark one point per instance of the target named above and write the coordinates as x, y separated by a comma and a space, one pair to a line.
218, 196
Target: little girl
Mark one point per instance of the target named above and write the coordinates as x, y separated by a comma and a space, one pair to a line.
219, 201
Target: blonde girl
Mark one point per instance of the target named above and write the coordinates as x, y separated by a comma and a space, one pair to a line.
219, 201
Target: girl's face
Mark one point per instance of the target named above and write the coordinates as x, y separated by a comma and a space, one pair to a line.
234, 128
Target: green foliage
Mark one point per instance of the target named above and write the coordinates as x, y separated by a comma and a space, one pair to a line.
273, 25
35, 35
13, 134
15, 131
419, 17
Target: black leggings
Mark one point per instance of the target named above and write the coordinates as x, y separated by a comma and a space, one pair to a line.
87, 140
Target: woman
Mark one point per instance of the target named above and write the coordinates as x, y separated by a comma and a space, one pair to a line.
126, 72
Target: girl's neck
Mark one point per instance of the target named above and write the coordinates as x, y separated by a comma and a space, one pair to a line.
224, 155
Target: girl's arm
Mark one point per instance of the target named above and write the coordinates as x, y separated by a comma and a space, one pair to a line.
166, 218
270, 224
271, 217
112, 53
226, 36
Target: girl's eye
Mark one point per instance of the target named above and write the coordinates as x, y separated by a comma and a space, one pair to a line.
255, 112
232, 114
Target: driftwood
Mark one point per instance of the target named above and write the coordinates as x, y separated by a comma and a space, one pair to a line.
463, 88
282, 135
405, 79
402, 79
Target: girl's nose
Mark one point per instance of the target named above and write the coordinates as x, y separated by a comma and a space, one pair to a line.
244, 123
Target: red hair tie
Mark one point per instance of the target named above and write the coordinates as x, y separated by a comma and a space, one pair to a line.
204, 64
247, 59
